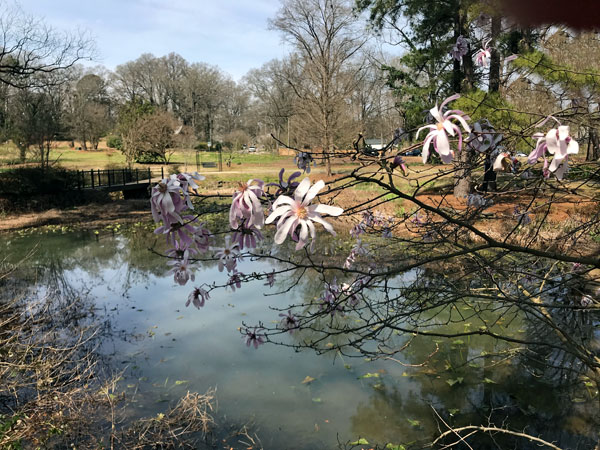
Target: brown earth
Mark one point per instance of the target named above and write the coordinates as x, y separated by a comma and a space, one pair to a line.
89, 216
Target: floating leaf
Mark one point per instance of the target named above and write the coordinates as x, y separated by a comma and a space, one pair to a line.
308, 379
347, 366
317, 400
414, 423
178, 382
458, 342
391, 446
370, 375
453, 411
488, 381
454, 381
361, 441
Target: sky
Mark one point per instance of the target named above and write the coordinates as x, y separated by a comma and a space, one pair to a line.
231, 34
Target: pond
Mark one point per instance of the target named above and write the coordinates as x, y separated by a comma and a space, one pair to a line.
292, 400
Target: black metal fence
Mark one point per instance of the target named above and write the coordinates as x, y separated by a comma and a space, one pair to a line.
98, 178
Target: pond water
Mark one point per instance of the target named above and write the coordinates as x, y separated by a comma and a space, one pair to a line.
166, 349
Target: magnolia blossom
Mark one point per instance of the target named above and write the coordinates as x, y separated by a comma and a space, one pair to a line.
182, 270
460, 48
235, 280
504, 162
296, 215
197, 298
561, 145
398, 161
202, 237
558, 143
166, 202
483, 56
270, 279
303, 161
284, 186
438, 134
484, 136
228, 255
188, 181
289, 322
247, 236
246, 204
253, 337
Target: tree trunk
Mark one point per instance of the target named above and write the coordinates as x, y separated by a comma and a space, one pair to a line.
22, 153
462, 183
494, 85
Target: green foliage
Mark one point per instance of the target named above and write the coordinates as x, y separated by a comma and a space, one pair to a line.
542, 65
28, 181
114, 141
149, 158
201, 146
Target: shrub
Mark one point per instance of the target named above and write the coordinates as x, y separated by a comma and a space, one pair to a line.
114, 141
150, 158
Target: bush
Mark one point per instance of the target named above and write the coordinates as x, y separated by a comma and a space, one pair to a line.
28, 181
114, 141
150, 158
201, 146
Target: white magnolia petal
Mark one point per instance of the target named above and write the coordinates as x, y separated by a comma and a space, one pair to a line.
284, 229
277, 212
552, 141
462, 121
448, 127
323, 222
442, 143
327, 209
282, 200
430, 127
302, 189
436, 114
573, 147
426, 146
312, 192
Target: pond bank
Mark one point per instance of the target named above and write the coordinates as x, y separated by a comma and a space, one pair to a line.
93, 215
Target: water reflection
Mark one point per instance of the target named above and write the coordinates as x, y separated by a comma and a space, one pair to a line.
298, 399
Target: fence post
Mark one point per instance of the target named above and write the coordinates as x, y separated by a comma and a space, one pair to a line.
92, 176
137, 178
162, 173
124, 181
99, 179
149, 175
108, 174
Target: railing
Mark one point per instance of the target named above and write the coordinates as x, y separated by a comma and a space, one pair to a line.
102, 178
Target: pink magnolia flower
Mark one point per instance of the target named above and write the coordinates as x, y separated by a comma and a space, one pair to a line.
246, 204
197, 297
254, 337
444, 126
398, 161
166, 202
561, 145
303, 161
270, 279
247, 236
202, 237
284, 186
228, 255
460, 48
483, 56
235, 280
188, 181
297, 213
182, 270
289, 322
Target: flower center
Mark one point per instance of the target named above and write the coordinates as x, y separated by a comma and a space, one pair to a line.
162, 187
440, 126
301, 212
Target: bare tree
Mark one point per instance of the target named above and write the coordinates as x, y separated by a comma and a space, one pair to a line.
28, 46
326, 36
